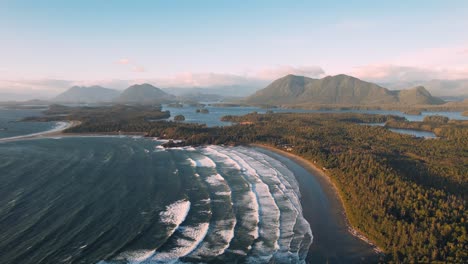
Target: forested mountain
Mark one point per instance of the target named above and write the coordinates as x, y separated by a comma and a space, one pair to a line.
144, 93
87, 94
417, 95
451, 88
340, 89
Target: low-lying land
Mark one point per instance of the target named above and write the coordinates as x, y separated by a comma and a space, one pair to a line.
413, 109
114, 118
408, 195
440, 126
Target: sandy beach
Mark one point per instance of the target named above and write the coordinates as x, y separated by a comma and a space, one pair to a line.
57, 131
335, 240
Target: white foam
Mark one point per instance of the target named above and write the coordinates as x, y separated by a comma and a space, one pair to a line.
228, 193
202, 161
269, 213
193, 236
190, 148
271, 206
222, 235
193, 163
293, 224
135, 256
215, 180
248, 200
214, 151
222, 231
175, 213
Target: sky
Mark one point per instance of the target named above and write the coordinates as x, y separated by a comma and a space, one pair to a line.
47, 46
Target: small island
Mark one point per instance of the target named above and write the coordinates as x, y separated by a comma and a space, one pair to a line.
202, 110
179, 118
412, 112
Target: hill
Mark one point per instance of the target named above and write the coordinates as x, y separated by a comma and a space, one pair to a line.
418, 95
337, 90
144, 94
454, 89
87, 94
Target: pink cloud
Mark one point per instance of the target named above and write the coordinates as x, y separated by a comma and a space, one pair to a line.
395, 73
123, 61
425, 64
136, 68
271, 74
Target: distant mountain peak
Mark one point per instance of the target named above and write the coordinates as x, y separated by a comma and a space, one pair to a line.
338, 89
422, 89
87, 94
343, 76
144, 93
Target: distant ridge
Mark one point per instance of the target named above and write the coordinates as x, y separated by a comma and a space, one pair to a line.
144, 93
418, 95
87, 94
339, 90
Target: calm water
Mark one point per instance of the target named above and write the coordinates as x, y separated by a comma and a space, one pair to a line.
411, 132
215, 113
9, 127
416, 133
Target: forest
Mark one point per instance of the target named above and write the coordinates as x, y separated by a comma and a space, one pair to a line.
407, 194
109, 118
441, 126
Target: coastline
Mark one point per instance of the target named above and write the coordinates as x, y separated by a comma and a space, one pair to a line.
344, 251
330, 189
60, 132
55, 132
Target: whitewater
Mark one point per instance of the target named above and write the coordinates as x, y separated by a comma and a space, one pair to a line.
253, 212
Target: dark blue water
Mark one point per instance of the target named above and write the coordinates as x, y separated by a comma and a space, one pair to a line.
127, 200
411, 132
10, 127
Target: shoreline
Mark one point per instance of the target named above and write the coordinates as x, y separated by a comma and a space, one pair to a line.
61, 133
323, 205
316, 171
54, 132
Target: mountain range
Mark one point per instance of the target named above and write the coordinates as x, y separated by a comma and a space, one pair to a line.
144, 93
87, 94
289, 90
339, 90
442, 88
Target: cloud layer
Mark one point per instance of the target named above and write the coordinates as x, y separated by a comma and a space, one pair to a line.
396, 73
449, 63
402, 72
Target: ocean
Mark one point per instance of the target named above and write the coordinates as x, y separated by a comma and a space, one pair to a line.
10, 127
114, 199
127, 200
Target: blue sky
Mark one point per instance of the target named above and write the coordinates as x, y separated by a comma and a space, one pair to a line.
216, 42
